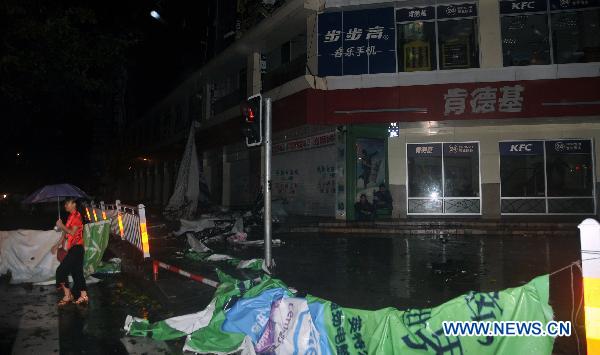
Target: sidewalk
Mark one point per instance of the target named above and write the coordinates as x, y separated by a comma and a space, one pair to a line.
436, 227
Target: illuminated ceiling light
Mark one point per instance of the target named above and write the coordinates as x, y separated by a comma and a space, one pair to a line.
393, 130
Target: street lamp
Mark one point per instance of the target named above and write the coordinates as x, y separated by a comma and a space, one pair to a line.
155, 15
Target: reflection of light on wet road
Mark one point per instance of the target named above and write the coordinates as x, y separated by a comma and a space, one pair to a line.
414, 271
37, 321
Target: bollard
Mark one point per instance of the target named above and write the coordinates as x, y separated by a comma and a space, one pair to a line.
589, 231
94, 212
144, 231
120, 218
103, 210
87, 211
155, 269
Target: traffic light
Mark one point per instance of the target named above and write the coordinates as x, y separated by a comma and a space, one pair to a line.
252, 125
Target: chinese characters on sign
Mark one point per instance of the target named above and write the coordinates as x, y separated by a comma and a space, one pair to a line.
429, 149
569, 146
304, 143
460, 10
357, 42
415, 14
484, 100
459, 148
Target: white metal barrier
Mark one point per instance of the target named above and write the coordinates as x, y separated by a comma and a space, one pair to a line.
128, 222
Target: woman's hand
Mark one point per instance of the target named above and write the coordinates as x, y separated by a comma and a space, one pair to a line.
54, 249
60, 224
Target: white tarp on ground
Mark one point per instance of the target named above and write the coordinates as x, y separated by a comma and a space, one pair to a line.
26, 254
184, 201
194, 226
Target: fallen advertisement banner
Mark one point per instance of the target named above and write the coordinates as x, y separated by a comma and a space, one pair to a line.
27, 253
265, 317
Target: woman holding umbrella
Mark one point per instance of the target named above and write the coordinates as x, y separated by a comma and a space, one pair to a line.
72, 264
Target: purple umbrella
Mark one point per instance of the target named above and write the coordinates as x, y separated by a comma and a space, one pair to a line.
50, 193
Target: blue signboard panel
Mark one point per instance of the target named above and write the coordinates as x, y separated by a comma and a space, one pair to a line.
355, 59
458, 10
330, 44
357, 42
461, 149
573, 4
569, 146
521, 148
381, 37
415, 14
520, 6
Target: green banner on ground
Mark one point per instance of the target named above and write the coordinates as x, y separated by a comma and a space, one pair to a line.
267, 318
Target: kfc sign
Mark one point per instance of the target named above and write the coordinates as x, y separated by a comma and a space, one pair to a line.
521, 148
516, 7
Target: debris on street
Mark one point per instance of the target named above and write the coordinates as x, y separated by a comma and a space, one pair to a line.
268, 317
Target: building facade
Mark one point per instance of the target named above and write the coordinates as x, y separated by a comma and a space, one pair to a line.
459, 108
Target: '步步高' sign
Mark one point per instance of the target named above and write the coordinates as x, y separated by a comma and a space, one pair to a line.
357, 42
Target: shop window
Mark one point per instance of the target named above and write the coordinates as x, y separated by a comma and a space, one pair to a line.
526, 29
540, 177
443, 178
416, 46
458, 44
456, 41
525, 40
576, 37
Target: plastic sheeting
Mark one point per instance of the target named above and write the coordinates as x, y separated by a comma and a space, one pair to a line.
187, 194
267, 318
27, 253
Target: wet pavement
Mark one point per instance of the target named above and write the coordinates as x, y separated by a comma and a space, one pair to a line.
31, 323
358, 271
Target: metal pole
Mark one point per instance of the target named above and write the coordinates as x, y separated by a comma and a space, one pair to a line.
267, 184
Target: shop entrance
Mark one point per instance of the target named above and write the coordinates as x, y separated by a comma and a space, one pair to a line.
367, 173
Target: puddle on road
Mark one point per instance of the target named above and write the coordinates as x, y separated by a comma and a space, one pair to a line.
372, 272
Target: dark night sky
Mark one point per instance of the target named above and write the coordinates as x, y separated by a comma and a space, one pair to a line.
48, 108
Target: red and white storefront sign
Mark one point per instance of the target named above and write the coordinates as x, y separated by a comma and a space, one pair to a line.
304, 143
484, 100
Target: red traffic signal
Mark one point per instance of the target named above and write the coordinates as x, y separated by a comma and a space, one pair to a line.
248, 114
252, 114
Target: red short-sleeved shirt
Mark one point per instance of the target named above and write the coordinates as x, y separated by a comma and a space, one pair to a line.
76, 238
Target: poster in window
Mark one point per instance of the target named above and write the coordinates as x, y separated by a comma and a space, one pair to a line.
417, 56
455, 54
370, 166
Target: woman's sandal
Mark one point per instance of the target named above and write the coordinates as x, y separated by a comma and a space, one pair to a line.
82, 300
65, 301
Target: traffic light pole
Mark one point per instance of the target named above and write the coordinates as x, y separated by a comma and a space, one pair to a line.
267, 184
